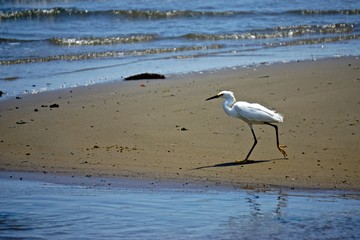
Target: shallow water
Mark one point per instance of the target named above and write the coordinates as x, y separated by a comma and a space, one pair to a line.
52, 44
40, 210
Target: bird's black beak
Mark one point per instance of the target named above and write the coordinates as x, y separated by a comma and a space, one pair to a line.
213, 97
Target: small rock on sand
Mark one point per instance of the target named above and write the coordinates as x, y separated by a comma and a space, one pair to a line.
145, 76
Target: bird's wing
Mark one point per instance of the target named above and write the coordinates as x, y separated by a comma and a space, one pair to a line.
256, 113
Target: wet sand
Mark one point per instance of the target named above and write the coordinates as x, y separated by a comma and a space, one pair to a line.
163, 130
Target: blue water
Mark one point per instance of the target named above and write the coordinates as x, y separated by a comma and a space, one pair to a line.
55, 44
42, 210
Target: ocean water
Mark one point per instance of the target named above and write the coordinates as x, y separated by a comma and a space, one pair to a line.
51, 44
42, 210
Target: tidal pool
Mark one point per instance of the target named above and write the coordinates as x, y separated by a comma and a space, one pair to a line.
43, 210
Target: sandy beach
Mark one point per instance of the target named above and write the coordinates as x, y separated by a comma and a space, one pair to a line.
165, 130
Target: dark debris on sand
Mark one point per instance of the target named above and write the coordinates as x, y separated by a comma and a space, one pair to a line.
142, 76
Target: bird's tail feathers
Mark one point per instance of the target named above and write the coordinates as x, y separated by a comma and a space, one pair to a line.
279, 117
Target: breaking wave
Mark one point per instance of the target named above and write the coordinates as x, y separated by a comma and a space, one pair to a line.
309, 41
144, 52
326, 12
95, 55
278, 32
156, 14
102, 40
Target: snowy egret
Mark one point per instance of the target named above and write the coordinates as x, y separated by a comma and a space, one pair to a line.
251, 113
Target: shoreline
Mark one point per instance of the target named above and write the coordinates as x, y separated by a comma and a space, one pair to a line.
163, 130
170, 76
148, 184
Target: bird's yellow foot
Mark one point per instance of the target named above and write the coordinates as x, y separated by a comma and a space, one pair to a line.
281, 149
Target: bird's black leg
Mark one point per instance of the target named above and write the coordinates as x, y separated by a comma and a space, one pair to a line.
252, 148
255, 142
277, 139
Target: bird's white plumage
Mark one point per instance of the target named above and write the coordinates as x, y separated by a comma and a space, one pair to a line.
252, 113
256, 113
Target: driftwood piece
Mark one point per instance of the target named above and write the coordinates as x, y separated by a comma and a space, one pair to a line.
145, 76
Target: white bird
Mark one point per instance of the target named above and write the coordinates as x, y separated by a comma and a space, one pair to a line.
251, 113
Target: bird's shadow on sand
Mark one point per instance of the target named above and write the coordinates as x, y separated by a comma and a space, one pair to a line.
242, 163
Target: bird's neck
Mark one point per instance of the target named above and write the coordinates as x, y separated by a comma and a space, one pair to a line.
228, 106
